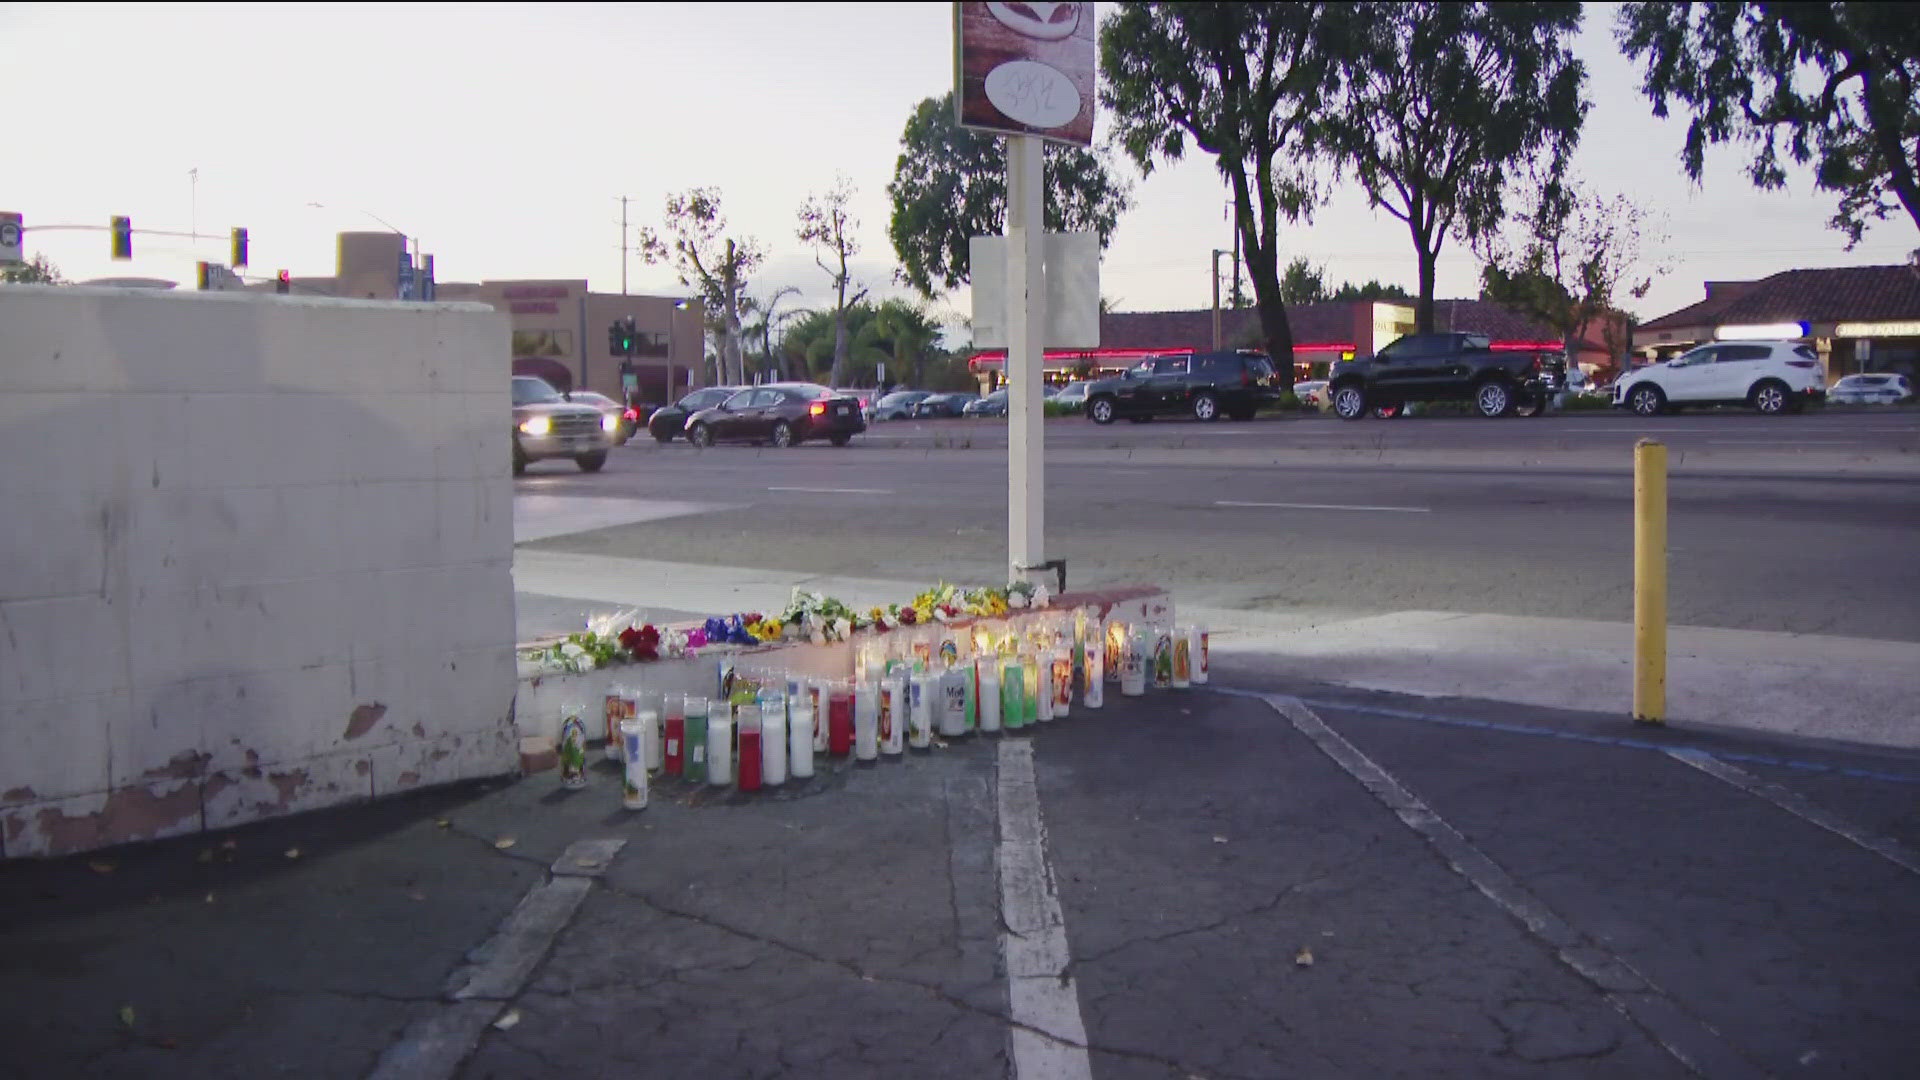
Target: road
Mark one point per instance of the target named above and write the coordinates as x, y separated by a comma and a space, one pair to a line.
1800, 524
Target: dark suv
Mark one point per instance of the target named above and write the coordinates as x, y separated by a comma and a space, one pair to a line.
1200, 385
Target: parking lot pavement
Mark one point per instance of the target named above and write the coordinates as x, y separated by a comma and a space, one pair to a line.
1198, 883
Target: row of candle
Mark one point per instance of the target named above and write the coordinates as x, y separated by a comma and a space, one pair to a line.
772, 723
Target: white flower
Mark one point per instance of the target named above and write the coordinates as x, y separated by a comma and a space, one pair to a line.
572, 651
842, 627
1016, 600
1039, 596
941, 615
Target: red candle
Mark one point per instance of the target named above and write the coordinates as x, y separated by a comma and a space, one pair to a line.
676, 743
840, 723
750, 758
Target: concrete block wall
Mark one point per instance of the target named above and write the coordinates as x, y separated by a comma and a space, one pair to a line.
255, 557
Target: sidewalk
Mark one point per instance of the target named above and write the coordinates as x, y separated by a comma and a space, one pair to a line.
1850, 689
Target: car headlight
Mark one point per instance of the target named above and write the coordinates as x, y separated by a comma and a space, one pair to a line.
536, 425
609, 423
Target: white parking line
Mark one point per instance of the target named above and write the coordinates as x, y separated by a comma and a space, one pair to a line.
1049, 1035
836, 491
1322, 506
1891, 850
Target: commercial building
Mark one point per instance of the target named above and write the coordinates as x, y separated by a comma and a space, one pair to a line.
1322, 333
560, 327
1858, 318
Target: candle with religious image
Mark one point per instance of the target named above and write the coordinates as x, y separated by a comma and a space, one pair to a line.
633, 783
1182, 657
920, 703
1162, 657
1062, 682
620, 705
1093, 693
1116, 636
573, 749
1197, 644
893, 714
1133, 662
819, 697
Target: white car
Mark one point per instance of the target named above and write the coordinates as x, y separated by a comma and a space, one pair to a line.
1770, 376
1883, 389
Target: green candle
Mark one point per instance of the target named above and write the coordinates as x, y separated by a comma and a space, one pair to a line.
696, 766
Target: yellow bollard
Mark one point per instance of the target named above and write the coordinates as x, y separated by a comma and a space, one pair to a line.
1649, 582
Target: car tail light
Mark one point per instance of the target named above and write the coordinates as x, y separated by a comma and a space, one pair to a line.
1803, 363
818, 408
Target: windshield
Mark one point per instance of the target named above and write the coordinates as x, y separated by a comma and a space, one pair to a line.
531, 391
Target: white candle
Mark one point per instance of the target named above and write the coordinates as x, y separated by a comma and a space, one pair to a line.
1040, 685
633, 792
1094, 693
925, 689
866, 721
893, 715
800, 736
1133, 663
662, 708
817, 691
989, 703
720, 744
952, 706
773, 746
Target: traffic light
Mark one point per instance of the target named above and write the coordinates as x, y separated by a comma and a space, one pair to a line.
239, 249
203, 276
122, 237
617, 339
284, 283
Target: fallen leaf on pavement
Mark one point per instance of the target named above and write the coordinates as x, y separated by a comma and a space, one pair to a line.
209, 898
1303, 958
230, 844
504, 843
507, 1019
293, 853
586, 863
416, 895
205, 856
443, 823
126, 1015
1219, 839
101, 867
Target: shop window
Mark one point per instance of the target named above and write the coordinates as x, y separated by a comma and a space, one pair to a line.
542, 343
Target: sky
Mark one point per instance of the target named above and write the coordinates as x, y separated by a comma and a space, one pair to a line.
502, 136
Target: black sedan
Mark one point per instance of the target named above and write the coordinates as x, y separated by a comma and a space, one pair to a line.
671, 421
941, 405
784, 414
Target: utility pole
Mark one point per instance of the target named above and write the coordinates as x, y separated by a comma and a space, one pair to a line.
623, 245
1216, 297
1238, 301
193, 209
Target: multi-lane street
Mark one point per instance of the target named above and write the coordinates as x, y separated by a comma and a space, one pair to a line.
1802, 524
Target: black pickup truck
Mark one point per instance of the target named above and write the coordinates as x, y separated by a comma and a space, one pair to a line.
1446, 367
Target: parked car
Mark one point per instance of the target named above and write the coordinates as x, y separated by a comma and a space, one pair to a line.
607, 405
994, 404
1201, 385
666, 424
547, 425
1883, 389
1072, 397
1446, 367
941, 405
1312, 393
784, 414
1769, 376
899, 404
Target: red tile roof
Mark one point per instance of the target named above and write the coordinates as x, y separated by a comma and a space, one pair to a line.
1823, 294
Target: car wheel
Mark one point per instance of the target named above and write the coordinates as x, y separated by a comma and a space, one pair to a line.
1769, 397
519, 459
1206, 407
840, 440
591, 462
663, 436
1350, 402
1531, 405
700, 435
1646, 400
783, 434
1493, 399
1100, 409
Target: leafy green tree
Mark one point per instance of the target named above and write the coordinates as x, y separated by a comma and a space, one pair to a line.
1244, 82
828, 225
1373, 290
950, 184
1580, 254
1835, 84
1303, 283
38, 270
696, 244
904, 336
1444, 102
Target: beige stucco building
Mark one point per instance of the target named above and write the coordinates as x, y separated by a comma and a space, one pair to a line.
559, 326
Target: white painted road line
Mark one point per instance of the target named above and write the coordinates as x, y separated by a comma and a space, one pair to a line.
1049, 1036
1322, 506
1891, 850
836, 491
1692, 1043
434, 1046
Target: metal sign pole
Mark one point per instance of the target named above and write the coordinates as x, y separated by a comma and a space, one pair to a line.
1026, 325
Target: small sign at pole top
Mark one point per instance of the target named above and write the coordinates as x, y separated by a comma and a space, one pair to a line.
1025, 68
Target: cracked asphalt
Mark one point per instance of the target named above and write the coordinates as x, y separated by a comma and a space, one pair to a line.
1238, 903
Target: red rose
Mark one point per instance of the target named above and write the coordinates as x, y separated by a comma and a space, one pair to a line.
908, 617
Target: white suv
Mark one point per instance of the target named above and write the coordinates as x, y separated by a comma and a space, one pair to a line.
1770, 376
